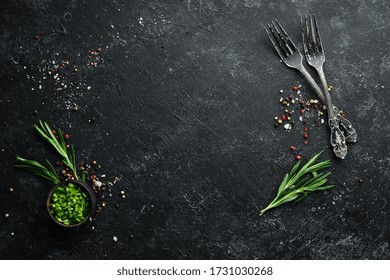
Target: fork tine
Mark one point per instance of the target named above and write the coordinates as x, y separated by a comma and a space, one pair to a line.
304, 36
319, 41
314, 37
309, 35
284, 46
294, 48
307, 39
273, 40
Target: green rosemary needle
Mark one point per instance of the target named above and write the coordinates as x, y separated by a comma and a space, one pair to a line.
59, 144
38, 169
297, 184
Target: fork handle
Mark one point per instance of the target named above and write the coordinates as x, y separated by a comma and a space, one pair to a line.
345, 125
337, 138
312, 82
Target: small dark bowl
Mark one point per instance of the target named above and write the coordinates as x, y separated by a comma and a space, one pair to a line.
86, 189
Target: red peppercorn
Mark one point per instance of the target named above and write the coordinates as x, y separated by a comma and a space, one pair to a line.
295, 88
306, 135
99, 50
302, 111
292, 148
283, 118
297, 157
306, 142
67, 169
54, 131
67, 145
37, 37
306, 129
66, 136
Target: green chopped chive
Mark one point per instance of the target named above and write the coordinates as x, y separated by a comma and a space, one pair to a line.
69, 204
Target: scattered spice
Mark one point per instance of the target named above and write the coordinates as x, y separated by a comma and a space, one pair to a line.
297, 157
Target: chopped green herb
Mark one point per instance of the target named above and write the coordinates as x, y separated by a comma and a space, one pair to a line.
69, 204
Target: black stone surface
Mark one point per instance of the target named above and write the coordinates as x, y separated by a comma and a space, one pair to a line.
184, 96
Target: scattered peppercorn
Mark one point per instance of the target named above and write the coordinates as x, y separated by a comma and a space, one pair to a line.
280, 121
94, 162
295, 88
306, 142
283, 118
297, 157
292, 148
11, 189
66, 136
306, 135
306, 129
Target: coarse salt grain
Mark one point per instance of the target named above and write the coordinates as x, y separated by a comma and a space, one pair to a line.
115, 239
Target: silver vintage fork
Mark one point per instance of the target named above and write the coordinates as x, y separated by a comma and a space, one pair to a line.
291, 56
315, 57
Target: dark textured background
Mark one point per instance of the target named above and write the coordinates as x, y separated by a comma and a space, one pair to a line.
184, 101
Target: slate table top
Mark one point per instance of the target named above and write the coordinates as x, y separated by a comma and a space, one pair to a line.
181, 106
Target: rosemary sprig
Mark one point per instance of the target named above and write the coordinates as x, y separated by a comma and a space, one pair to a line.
297, 184
68, 158
36, 168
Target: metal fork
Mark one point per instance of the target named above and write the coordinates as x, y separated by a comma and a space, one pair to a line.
315, 57
291, 56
